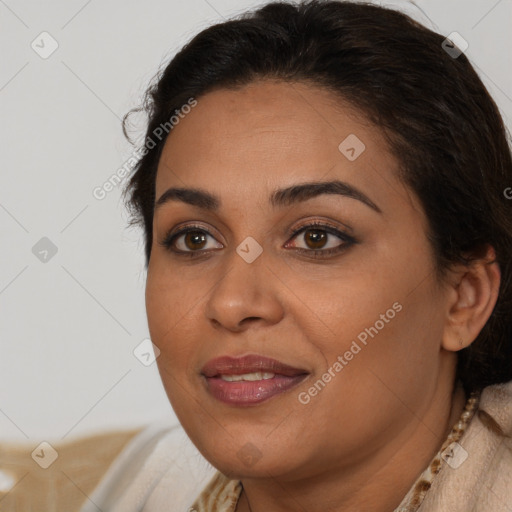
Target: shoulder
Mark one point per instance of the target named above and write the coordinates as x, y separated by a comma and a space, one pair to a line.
158, 469
495, 417
480, 478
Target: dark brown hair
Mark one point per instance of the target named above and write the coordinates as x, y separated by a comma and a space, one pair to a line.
440, 121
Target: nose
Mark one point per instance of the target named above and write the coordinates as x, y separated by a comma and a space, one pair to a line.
244, 294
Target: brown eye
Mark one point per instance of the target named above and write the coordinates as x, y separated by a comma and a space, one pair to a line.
195, 240
190, 240
320, 240
315, 238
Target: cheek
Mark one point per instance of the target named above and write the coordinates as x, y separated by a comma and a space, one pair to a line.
380, 379
170, 312
386, 323
171, 327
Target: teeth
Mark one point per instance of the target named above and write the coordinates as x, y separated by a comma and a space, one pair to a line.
248, 376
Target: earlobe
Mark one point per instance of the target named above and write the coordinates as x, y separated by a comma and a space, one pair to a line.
474, 293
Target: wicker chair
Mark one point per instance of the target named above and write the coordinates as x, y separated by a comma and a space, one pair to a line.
56, 477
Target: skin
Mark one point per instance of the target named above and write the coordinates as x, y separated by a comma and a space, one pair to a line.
361, 442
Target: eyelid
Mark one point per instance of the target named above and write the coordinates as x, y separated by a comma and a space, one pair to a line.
342, 229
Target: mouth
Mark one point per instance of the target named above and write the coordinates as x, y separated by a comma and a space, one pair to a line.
249, 380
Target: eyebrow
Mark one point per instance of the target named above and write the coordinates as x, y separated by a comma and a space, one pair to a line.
279, 198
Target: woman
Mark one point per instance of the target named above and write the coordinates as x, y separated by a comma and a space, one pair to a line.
328, 243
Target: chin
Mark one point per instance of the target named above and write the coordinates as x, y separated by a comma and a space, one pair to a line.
252, 466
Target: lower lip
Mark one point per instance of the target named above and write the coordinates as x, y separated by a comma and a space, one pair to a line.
245, 393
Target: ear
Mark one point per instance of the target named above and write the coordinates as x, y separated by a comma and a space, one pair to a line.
472, 295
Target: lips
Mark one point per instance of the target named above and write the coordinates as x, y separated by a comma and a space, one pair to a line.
249, 380
248, 364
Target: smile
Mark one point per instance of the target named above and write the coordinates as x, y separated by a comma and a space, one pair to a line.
249, 380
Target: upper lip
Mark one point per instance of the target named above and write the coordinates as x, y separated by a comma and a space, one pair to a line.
227, 365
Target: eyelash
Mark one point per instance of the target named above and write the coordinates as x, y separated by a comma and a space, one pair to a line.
169, 239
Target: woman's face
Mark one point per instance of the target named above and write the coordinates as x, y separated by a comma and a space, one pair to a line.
349, 307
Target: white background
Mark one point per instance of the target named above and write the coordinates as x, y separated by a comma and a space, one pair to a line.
68, 327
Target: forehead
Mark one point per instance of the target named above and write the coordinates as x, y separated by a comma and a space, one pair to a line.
270, 134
